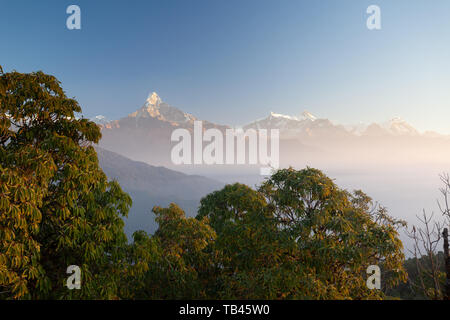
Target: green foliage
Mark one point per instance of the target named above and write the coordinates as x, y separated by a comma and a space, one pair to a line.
300, 236
337, 233
57, 207
418, 279
248, 250
231, 204
174, 263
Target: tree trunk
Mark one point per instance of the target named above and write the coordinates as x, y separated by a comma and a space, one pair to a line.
447, 265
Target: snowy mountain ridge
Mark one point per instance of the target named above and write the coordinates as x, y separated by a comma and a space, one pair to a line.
306, 123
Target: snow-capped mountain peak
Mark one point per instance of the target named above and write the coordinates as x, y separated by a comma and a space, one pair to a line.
400, 127
100, 120
306, 115
153, 99
279, 115
310, 125
306, 124
155, 107
294, 127
396, 126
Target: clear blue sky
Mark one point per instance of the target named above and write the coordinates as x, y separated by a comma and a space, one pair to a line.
234, 61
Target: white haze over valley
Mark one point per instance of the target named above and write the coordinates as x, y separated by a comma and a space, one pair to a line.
392, 162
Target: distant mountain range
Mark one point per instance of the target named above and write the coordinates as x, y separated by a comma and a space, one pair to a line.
309, 125
155, 109
144, 135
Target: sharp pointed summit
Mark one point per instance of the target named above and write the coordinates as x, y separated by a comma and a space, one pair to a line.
154, 107
153, 99
308, 116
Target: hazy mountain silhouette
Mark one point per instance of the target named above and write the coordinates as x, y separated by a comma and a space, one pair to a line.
149, 186
145, 134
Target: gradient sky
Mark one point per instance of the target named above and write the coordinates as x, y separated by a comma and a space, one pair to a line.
234, 61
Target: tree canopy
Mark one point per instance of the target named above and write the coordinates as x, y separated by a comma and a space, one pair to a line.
301, 236
57, 207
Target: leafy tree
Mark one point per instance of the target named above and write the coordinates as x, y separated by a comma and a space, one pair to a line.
420, 284
232, 203
248, 250
56, 206
427, 272
338, 234
174, 262
141, 258
300, 236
